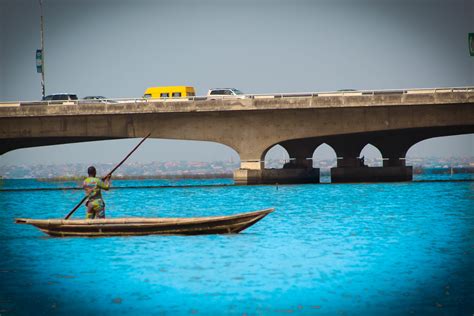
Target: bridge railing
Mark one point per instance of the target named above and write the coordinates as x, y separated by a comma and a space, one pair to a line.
344, 92
351, 92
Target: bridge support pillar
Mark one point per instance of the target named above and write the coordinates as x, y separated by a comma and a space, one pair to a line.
274, 176
302, 163
393, 162
292, 173
354, 170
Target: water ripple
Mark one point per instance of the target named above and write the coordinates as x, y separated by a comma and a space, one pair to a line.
331, 249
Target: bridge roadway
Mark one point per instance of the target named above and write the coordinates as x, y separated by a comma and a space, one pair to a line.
392, 121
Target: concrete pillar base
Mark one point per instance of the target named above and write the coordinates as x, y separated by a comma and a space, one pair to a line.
273, 176
371, 174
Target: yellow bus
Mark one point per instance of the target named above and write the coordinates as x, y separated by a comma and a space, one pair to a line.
169, 92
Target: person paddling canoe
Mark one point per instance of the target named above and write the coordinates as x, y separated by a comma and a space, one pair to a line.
93, 187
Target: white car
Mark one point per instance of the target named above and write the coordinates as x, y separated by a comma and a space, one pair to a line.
225, 93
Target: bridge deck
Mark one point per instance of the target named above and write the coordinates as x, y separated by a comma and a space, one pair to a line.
253, 102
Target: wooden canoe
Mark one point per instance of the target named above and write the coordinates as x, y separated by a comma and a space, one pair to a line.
135, 226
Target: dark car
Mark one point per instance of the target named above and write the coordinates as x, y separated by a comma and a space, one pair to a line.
60, 97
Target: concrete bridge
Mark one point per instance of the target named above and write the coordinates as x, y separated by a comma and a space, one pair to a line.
393, 121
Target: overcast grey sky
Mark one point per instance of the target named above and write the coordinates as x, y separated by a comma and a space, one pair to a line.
118, 48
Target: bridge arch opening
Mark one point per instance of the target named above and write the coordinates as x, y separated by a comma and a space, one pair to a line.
324, 158
371, 156
441, 151
276, 157
156, 157
443, 146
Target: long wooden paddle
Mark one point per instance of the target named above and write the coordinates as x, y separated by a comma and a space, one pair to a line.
108, 175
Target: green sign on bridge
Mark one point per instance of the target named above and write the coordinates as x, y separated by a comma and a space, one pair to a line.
39, 60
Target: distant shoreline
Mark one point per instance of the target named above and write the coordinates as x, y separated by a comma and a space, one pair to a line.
147, 177
229, 175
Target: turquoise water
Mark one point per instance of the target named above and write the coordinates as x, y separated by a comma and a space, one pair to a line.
348, 249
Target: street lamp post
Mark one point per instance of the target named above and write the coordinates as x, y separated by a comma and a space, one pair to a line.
40, 58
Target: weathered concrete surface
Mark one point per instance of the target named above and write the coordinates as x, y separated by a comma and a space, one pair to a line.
392, 122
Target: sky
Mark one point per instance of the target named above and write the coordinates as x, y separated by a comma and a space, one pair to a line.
119, 48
